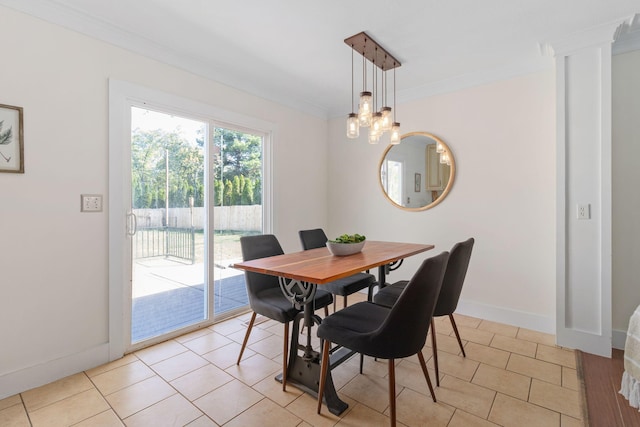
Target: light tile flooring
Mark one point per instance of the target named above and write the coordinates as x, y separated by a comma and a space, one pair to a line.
510, 377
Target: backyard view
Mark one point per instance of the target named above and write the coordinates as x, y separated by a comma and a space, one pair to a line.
170, 258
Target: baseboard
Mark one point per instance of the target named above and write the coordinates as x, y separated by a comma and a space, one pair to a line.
509, 316
44, 373
618, 339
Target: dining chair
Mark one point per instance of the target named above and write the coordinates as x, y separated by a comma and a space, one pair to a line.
316, 238
449, 295
265, 295
387, 333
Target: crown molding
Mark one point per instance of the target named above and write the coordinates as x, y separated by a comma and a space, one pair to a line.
74, 20
595, 36
625, 33
628, 36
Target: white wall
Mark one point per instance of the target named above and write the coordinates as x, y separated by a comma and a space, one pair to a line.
53, 259
502, 136
626, 197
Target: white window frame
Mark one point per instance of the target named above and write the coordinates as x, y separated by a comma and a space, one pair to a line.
122, 96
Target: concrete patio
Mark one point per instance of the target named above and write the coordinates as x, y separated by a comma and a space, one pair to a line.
168, 295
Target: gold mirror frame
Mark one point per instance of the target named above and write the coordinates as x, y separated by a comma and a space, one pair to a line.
423, 180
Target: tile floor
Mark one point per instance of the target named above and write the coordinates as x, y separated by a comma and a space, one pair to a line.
510, 377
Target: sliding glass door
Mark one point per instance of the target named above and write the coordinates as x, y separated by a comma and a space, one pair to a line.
196, 188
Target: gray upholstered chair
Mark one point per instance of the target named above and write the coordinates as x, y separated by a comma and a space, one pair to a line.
266, 297
449, 295
387, 333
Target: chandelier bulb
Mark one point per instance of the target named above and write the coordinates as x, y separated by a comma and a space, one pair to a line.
387, 119
374, 137
353, 126
365, 109
376, 123
395, 133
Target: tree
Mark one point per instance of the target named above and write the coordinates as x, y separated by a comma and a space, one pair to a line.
247, 193
149, 152
236, 168
145, 155
218, 192
237, 190
228, 192
241, 154
257, 191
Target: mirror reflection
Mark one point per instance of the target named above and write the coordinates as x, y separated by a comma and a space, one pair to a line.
418, 173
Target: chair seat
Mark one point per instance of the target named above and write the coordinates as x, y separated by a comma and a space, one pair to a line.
272, 303
388, 295
356, 325
349, 285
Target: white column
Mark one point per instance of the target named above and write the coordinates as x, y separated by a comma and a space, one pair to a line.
583, 85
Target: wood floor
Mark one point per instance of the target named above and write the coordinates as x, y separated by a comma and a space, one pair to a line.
602, 377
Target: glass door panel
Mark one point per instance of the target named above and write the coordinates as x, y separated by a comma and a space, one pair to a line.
237, 174
169, 263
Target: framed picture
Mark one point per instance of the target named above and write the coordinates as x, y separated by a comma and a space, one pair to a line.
418, 178
11, 139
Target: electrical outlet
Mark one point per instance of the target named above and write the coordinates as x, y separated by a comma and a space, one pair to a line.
584, 211
91, 203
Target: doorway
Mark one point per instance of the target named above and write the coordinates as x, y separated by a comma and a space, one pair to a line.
185, 223
218, 246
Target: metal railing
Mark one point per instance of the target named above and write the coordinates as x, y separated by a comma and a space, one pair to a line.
164, 241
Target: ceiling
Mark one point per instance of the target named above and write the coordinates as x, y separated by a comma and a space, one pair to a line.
293, 51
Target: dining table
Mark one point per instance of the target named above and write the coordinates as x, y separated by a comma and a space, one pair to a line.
299, 275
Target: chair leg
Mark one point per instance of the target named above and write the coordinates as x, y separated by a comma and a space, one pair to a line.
370, 293
423, 364
435, 351
284, 356
392, 392
455, 329
324, 365
344, 302
246, 336
326, 309
361, 362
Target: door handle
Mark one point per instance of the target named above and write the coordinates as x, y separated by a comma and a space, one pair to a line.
132, 222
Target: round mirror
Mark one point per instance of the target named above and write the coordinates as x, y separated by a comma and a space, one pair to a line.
418, 173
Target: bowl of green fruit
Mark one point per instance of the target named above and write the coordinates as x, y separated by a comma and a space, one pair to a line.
346, 244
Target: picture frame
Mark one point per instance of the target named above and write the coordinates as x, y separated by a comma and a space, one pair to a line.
418, 179
11, 139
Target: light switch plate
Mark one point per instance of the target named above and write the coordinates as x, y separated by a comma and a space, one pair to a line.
91, 203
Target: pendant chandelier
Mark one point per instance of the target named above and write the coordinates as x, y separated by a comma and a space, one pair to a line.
379, 121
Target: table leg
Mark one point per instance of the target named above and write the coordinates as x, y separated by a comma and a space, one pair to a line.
303, 370
386, 268
382, 276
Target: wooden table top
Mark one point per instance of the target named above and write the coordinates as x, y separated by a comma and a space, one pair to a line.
319, 266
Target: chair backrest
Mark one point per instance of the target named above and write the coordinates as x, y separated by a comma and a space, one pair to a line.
404, 331
312, 239
454, 278
254, 247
